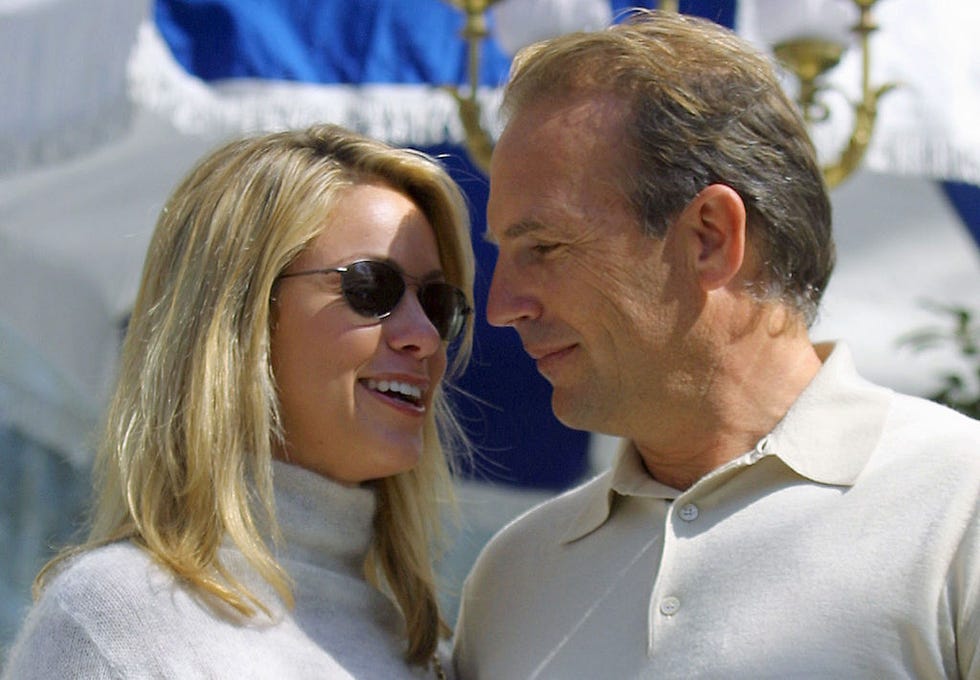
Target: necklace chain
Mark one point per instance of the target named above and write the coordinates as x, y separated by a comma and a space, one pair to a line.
437, 667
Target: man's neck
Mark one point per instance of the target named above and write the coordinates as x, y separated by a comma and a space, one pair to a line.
751, 385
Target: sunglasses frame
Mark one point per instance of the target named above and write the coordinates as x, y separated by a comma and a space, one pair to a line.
464, 311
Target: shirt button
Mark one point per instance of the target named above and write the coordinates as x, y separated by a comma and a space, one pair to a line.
669, 605
689, 512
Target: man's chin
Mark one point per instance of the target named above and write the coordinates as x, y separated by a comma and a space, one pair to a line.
572, 409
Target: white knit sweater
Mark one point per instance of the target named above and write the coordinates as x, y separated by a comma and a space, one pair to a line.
114, 613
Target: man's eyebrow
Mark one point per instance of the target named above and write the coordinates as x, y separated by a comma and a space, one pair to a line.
514, 231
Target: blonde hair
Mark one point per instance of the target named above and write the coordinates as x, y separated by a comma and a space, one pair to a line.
185, 460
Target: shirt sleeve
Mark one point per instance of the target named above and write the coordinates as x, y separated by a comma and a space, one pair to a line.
462, 667
965, 586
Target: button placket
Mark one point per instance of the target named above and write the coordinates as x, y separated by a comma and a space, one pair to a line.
670, 605
689, 512
762, 449
668, 592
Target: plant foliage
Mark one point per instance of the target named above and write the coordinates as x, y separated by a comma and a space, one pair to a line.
959, 390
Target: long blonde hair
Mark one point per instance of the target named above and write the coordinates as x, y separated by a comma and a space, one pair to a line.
185, 460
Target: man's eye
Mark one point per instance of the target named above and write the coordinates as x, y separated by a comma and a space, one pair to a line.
543, 248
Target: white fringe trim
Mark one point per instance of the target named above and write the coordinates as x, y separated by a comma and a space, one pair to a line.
399, 114
927, 125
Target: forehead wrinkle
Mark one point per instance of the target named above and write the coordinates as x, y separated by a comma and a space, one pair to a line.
514, 231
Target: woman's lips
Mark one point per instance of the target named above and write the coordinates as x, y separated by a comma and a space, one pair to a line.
404, 396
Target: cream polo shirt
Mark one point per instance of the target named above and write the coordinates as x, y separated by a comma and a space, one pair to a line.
846, 545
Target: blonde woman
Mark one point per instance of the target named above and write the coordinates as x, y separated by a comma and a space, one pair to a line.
270, 479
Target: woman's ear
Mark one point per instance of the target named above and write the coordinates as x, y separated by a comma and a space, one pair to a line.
716, 220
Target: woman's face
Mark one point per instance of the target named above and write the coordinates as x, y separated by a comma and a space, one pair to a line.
341, 376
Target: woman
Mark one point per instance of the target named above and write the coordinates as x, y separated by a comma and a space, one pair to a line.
271, 471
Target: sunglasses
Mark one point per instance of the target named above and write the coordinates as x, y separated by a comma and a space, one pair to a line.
373, 290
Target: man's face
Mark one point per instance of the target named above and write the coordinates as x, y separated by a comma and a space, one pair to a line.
602, 308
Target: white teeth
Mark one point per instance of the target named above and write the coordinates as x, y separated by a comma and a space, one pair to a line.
406, 389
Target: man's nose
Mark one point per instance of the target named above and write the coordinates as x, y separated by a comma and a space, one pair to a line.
510, 299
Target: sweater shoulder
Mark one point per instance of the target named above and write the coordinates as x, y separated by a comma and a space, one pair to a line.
111, 579
64, 633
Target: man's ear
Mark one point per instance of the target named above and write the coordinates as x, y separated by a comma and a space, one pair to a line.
715, 219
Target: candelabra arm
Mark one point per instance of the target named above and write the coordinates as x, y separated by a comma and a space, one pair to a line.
865, 112
850, 158
479, 143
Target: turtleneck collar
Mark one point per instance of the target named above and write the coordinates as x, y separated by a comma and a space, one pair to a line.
323, 523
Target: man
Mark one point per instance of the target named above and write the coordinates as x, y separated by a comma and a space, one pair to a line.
664, 240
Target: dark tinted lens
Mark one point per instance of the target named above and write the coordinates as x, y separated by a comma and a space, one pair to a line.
445, 305
372, 289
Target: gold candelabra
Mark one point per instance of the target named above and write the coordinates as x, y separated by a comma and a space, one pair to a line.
809, 60
479, 143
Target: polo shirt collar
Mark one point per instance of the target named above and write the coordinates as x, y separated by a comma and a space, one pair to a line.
827, 436
833, 427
